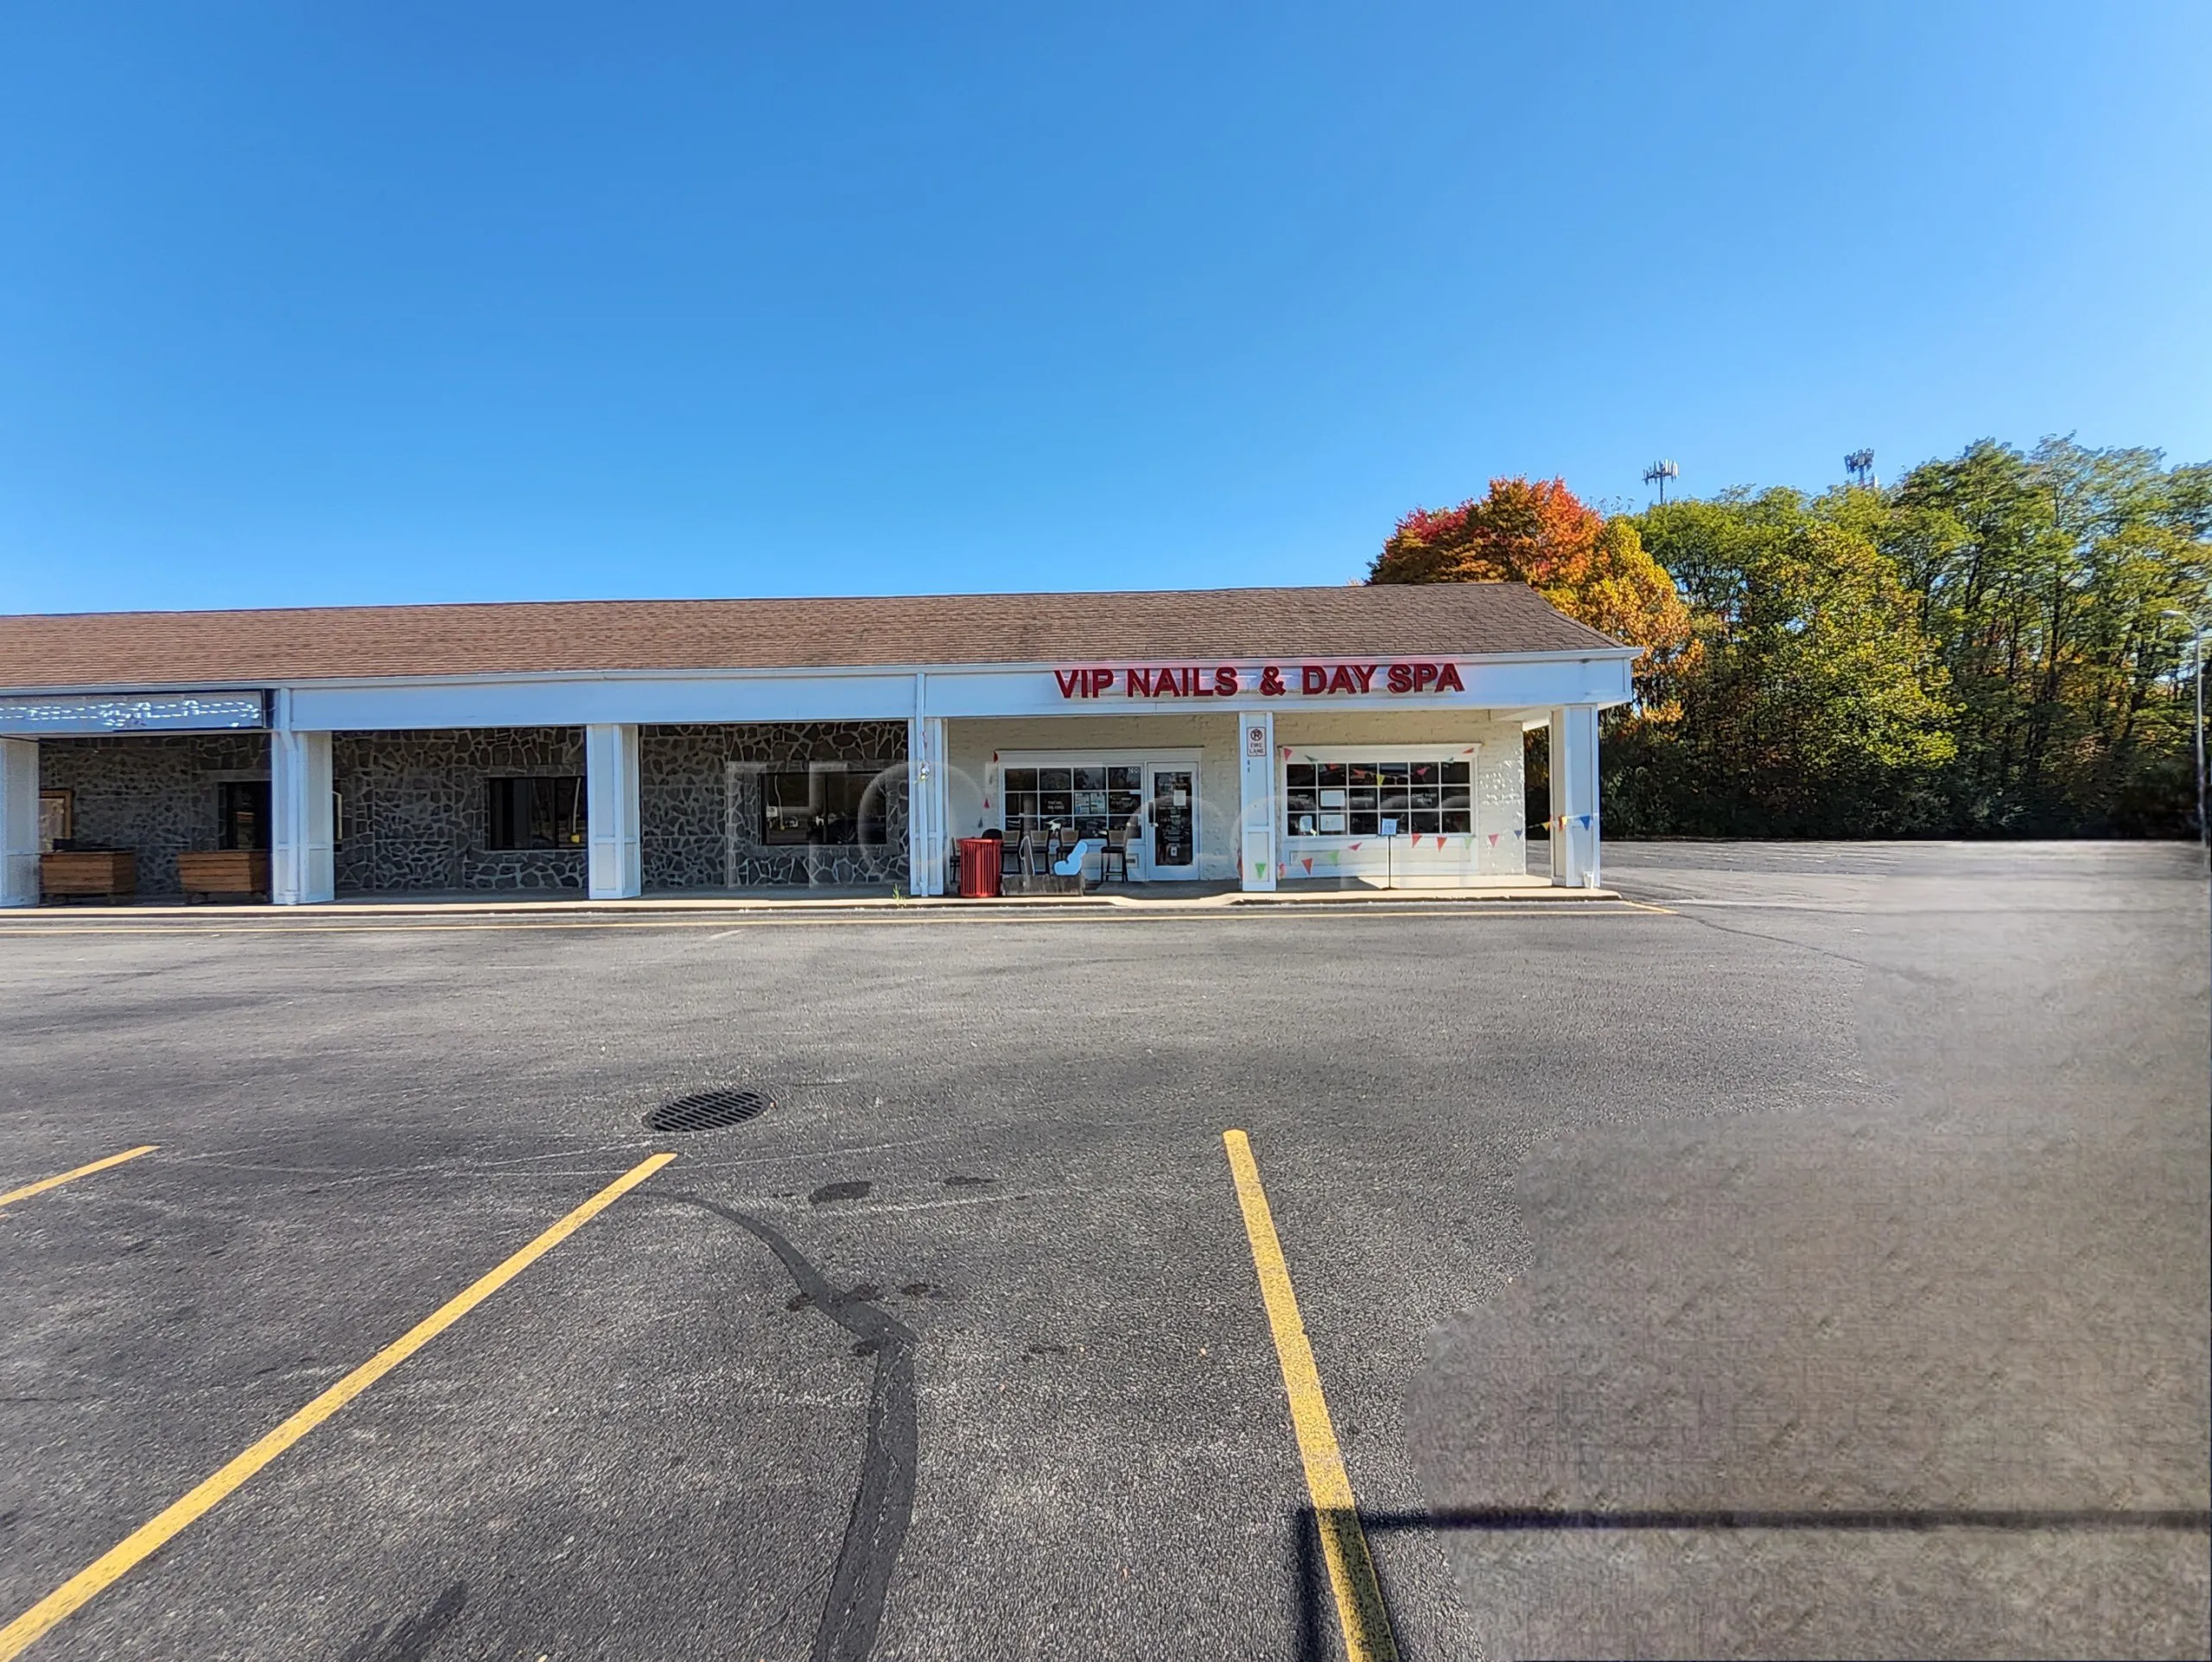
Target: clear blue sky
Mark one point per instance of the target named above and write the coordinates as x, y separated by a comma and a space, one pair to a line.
305, 304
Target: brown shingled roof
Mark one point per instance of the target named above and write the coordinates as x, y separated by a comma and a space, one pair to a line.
163, 649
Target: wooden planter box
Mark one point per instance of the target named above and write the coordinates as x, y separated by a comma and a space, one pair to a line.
224, 871
110, 873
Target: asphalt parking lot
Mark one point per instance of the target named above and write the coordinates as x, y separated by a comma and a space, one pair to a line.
1808, 1259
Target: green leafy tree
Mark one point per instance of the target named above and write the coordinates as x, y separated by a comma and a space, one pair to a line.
2050, 576
1996, 644
1816, 706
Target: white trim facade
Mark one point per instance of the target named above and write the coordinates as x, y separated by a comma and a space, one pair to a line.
1237, 721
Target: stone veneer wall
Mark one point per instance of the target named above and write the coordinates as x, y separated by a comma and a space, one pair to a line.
415, 815
152, 793
699, 819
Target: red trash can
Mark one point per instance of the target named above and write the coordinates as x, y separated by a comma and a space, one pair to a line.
979, 869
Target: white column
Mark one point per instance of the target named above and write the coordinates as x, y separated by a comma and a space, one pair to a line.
1574, 797
18, 822
929, 801
1256, 774
301, 868
613, 868
918, 833
940, 795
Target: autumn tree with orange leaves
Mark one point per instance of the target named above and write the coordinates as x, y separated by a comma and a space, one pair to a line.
1596, 570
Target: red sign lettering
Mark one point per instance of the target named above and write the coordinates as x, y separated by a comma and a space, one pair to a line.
1224, 680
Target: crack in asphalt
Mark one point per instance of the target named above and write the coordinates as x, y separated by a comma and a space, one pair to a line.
883, 1504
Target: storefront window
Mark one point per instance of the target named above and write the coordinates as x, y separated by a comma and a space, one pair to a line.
822, 806
1353, 798
534, 813
242, 814
1090, 801
57, 820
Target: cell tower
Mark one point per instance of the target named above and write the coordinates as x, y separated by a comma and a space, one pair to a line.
1658, 473
1860, 464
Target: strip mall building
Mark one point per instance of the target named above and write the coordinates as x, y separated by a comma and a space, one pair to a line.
1261, 736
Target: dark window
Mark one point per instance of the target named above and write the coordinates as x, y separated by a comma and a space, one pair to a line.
534, 813
787, 808
1083, 800
1353, 798
242, 814
822, 805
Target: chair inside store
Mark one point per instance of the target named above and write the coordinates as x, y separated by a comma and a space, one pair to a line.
1115, 854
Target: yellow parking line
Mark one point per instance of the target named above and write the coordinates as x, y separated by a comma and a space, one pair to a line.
1365, 1620
45, 1183
158, 1531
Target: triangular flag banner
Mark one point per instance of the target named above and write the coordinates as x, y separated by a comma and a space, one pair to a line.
1583, 821
1493, 839
1355, 845
1308, 864
1263, 867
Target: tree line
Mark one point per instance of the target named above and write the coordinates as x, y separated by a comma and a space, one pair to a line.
1998, 644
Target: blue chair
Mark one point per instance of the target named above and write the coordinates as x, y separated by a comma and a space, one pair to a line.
1071, 864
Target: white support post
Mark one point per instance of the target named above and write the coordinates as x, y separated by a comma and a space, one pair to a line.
19, 822
1256, 763
929, 804
917, 830
302, 868
1574, 797
614, 869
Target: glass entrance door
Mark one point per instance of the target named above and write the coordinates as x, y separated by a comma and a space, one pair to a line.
1170, 832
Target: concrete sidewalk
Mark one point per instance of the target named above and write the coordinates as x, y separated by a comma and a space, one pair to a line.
1164, 897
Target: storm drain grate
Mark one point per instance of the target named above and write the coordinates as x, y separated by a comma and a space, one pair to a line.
707, 1111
